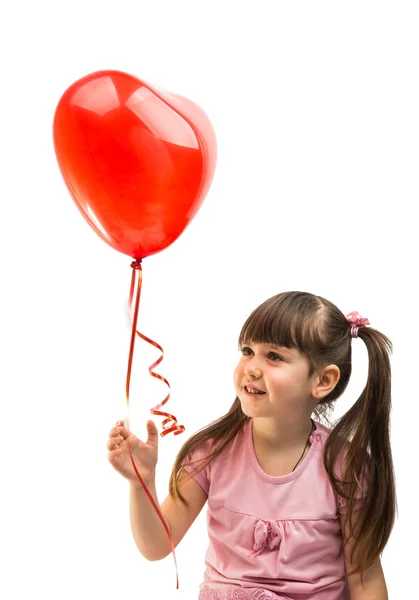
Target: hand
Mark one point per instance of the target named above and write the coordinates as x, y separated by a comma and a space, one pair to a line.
145, 454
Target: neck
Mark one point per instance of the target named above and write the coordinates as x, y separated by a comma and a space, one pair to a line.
284, 436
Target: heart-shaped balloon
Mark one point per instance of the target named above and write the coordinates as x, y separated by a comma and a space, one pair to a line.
138, 162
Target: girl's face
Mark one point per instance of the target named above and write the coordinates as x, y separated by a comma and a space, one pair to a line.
281, 374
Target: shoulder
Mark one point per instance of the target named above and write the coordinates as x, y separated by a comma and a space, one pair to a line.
342, 470
344, 444
204, 453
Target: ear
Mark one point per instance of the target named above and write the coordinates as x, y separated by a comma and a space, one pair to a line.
326, 381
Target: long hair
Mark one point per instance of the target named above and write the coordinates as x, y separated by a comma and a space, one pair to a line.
320, 331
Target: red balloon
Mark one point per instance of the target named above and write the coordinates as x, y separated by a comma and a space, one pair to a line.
137, 162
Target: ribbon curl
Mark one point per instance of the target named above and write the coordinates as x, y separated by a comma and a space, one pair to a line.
175, 428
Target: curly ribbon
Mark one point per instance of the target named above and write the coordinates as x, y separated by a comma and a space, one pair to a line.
176, 429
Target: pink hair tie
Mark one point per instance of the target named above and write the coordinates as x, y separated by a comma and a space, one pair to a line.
356, 321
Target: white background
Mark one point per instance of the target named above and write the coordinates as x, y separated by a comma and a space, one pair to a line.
315, 107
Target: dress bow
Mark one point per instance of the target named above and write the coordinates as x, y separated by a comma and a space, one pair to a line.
266, 534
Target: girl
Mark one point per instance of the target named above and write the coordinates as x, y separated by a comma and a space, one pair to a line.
296, 510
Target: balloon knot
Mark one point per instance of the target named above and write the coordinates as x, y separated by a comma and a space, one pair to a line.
136, 263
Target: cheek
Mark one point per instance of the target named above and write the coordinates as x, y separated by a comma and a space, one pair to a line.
237, 375
282, 383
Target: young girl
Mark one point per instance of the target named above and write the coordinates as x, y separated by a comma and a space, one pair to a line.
296, 510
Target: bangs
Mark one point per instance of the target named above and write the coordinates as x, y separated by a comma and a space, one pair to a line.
291, 320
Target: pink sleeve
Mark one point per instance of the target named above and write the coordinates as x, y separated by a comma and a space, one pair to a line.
203, 477
359, 494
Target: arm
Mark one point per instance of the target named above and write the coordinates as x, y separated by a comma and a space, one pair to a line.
149, 534
374, 587
374, 591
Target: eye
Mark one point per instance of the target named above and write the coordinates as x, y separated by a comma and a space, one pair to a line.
274, 356
245, 350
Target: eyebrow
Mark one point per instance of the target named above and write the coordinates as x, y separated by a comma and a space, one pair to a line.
282, 349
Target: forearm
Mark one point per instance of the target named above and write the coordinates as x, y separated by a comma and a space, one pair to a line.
150, 536
374, 591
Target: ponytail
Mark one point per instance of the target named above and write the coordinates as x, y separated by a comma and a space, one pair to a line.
368, 457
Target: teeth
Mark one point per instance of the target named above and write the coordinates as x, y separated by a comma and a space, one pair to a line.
252, 391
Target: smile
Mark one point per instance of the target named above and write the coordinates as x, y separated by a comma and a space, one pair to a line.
253, 391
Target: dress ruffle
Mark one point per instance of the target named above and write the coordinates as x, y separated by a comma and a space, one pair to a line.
238, 593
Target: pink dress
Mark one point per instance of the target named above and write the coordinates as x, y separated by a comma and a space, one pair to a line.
271, 538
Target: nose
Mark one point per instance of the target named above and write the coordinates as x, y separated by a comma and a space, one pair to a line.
252, 368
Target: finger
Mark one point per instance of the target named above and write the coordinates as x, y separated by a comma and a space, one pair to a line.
153, 434
125, 432
113, 456
119, 431
110, 445
114, 442
117, 425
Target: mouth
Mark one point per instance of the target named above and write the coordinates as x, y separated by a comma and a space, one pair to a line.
252, 391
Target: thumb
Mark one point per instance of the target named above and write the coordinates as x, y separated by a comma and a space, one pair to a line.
153, 434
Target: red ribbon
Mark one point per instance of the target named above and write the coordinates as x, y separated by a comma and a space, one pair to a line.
175, 428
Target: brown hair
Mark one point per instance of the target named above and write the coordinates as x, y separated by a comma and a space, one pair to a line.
319, 330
